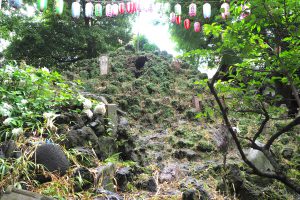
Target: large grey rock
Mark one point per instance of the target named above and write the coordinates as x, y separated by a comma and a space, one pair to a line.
52, 157
80, 137
107, 195
190, 195
105, 175
123, 177
9, 149
193, 189
259, 159
239, 186
86, 177
185, 153
287, 153
107, 147
147, 183
16, 194
170, 173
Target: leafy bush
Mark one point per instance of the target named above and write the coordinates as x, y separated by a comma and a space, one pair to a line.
26, 93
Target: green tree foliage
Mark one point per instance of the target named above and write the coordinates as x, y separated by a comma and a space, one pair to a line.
50, 40
258, 60
143, 44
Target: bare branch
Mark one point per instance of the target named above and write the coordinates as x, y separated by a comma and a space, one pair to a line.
279, 175
287, 128
263, 124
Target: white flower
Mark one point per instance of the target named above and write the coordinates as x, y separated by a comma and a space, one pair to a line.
87, 104
17, 131
44, 69
7, 106
7, 121
33, 78
24, 101
100, 109
22, 82
9, 70
5, 109
89, 113
50, 117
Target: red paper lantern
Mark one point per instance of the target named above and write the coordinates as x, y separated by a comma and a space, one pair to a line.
121, 8
129, 7
197, 27
187, 24
133, 7
178, 19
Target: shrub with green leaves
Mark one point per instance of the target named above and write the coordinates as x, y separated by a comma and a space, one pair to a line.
26, 93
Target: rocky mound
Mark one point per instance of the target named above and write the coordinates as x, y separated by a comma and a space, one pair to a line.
153, 88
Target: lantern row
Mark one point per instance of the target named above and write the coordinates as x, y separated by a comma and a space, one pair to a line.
207, 11
130, 7
111, 10
175, 17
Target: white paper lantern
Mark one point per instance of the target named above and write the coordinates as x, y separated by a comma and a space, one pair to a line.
206, 10
226, 12
193, 10
167, 7
108, 10
115, 9
76, 10
178, 9
89, 10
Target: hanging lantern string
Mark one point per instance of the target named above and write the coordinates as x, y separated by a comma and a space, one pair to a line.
125, 1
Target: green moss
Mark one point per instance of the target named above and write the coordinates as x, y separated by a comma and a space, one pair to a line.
191, 114
205, 146
111, 89
123, 104
151, 88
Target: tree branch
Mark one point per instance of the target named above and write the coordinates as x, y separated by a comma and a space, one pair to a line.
287, 128
263, 124
279, 175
